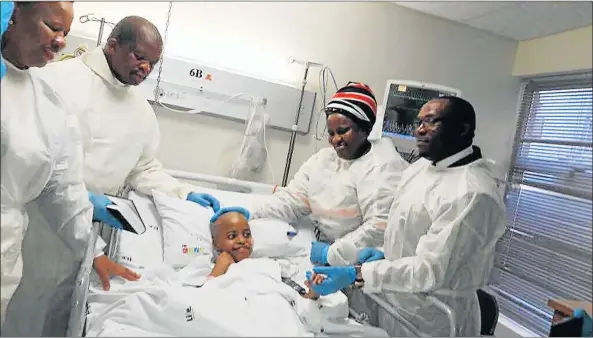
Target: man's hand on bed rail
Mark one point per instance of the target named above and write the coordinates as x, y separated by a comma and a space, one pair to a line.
205, 200
106, 268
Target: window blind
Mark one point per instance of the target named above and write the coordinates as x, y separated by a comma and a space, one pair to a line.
546, 252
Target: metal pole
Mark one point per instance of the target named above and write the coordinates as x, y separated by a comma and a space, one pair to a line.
101, 26
294, 128
298, 114
88, 17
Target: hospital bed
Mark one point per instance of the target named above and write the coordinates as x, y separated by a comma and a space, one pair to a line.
222, 186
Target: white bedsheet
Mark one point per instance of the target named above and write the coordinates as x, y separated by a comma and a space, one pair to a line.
157, 304
240, 303
249, 300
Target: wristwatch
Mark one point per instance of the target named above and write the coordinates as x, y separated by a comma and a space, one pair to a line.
358, 281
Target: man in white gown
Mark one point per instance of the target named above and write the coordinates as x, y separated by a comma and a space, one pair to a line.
446, 218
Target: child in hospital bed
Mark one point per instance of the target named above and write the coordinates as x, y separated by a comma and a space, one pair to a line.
232, 242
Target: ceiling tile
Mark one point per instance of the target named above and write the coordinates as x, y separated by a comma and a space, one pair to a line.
438, 8
519, 20
535, 19
467, 10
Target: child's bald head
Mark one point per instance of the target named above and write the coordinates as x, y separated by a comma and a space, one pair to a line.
231, 233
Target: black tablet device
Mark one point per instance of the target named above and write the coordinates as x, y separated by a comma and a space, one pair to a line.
124, 210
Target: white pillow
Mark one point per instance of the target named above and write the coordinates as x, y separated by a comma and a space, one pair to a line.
187, 224
145, 250
186, 229
271, 239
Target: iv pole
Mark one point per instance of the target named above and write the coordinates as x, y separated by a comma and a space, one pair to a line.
88, 17
112, 232
298, 114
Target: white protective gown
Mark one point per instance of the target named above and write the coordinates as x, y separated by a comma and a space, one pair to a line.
120, 137
120, 130
443, 226
41, 165
347, 200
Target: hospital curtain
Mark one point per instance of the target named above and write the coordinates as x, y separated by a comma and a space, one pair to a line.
546, 251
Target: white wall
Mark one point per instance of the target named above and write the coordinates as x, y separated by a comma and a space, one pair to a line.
370, 42
562, 52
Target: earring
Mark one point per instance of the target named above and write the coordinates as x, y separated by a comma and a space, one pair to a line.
10, 23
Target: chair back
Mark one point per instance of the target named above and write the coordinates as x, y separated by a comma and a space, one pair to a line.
488, 312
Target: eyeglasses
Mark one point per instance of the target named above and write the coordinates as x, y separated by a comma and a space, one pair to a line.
428, 122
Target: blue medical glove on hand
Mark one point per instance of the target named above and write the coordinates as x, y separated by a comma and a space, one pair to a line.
369, 255
587, 324
6, 11
319, 253
100, 212
6, 8
205, 200
338, 277
223, 211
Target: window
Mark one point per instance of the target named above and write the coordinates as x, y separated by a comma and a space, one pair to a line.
546, 252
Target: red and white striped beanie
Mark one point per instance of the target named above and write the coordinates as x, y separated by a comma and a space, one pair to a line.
356, 101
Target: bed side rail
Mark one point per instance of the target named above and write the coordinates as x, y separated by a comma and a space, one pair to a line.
224, 183
78, 306
383, 304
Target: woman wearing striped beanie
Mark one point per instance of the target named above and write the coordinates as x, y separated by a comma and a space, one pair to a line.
351, 114
347, 189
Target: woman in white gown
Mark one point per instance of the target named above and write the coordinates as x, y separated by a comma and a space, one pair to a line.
347, 191
41, 157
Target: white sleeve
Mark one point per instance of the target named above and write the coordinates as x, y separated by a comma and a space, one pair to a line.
459, 230
375, 191
64, 202
149, 174
291, 202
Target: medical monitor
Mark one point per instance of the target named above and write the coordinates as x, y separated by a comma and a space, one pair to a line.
401, 103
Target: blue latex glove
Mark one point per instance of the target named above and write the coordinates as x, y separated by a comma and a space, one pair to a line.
223, 211
205, 200
338, 277
100, 212
587, 325
6, 12
369, 254
319, 253
6, 8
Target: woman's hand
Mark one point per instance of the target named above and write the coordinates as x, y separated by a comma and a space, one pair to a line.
370, 255
223, 262
318, 254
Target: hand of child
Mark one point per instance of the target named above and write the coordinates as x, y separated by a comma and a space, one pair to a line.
314, 279
225, 258
223, 262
